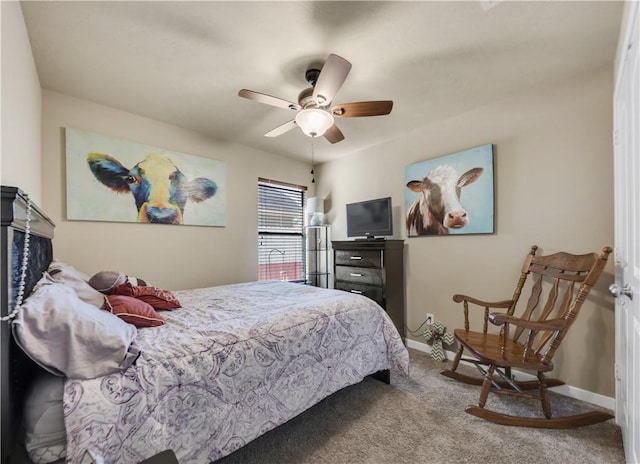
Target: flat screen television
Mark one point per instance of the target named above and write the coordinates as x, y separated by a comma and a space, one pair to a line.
370, 218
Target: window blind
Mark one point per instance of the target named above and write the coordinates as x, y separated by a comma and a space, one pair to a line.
280, 231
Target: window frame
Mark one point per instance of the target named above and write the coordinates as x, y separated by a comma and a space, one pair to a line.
281, 233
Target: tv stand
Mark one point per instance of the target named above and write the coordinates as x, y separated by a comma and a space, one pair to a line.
373, 268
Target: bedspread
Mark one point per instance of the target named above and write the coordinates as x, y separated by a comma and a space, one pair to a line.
233, 363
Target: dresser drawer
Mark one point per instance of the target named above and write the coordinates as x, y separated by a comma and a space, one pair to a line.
359, 275
375, 293
364, 258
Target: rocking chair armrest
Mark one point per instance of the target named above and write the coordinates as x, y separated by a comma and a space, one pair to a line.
551, 324
491, 304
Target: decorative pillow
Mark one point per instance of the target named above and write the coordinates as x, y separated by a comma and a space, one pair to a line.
156, 297
137, 282
68, 275
69, 337
134, 311
106, 281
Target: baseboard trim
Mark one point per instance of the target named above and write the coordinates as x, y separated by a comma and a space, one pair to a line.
567, 390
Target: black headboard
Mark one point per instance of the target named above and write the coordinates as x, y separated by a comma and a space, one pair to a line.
16, 369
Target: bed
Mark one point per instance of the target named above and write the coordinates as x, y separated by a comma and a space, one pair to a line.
231, 363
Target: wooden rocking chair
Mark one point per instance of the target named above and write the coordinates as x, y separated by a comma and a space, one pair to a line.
529, 342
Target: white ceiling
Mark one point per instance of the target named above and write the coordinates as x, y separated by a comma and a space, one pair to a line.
184, 62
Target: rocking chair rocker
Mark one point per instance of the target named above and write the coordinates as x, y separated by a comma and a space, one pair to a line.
534, 338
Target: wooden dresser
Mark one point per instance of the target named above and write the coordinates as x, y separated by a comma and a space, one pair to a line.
374, 268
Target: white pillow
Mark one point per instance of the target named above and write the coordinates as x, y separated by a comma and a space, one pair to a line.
79, 281
45, 434
67, 336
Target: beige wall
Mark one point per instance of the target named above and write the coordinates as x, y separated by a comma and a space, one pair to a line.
554, 188
21, 106
174, 257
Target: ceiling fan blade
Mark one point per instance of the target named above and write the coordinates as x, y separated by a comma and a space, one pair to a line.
333, 74
268, 99
286, 127
333, 134
359, 109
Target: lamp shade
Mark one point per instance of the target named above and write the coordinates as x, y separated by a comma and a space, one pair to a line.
314, 122
315, 205
315, 211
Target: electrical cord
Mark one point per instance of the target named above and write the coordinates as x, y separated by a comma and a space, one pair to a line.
417, 331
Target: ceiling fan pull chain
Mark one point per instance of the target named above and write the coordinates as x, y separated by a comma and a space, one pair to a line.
313, 177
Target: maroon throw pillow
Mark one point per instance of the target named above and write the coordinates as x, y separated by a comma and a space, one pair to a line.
134, 311
156, 297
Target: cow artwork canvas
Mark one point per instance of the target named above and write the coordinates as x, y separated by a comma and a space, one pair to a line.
451, 195
110, 179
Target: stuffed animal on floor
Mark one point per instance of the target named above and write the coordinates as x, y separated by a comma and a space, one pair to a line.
106, 281
437, 334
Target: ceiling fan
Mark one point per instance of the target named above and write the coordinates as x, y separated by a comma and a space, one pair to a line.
315, 112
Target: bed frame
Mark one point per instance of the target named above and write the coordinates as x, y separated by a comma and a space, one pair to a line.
16, 369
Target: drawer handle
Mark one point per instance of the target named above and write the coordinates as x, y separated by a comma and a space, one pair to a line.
356, 291
355, 257
353, 274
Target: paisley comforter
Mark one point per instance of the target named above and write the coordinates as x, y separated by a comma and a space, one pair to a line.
233, 363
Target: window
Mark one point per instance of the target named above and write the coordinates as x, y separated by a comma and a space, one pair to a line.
280, 231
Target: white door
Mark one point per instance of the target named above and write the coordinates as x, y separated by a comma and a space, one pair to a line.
627, 237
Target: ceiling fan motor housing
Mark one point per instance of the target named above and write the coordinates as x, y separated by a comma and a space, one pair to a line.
305, 98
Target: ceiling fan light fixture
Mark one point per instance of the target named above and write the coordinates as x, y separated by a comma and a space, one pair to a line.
314, 122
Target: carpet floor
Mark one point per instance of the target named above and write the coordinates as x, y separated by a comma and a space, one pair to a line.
421, 419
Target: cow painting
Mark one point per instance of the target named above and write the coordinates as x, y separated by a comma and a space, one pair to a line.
160, 190
438, 208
